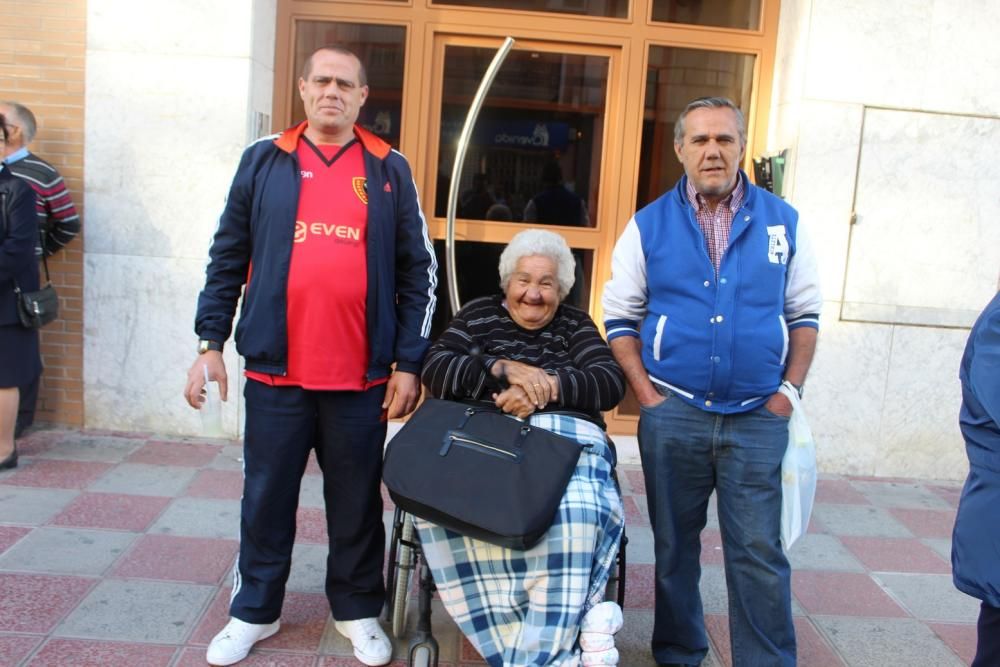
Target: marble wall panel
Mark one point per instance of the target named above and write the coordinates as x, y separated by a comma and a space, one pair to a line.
161, 154
869, 52
824, 164
139, 343
920, 417
844, 393
926, 233
179, 27
264, 24
963, 56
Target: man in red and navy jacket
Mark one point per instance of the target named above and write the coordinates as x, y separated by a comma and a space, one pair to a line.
323, 237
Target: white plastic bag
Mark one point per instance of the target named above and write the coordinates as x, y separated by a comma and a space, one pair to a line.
798, 473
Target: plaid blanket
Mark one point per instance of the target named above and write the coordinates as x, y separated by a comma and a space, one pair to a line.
524, 607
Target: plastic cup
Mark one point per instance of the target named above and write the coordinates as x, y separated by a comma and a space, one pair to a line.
211, 410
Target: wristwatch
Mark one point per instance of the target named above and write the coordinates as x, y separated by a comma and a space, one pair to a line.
797, 387
206, 345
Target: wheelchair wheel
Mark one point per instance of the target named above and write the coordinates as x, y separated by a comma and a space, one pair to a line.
421, 657
401, 578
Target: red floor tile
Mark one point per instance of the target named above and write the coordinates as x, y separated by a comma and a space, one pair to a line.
311, 525
387, 504
303, 619
950, 494
40, 441
961, 638
116, 511
57, 474
195, 657
213, 620
35, 603
342, 661
199, 560
711, 547
633, 514
13, 648
158, 452
221, 484
718, 633
839, 491
312, 465
468, 655
813, 650
816, 526
888, 554
842, 594
10, 535
90, 653
926, 523
640, 586
636, 482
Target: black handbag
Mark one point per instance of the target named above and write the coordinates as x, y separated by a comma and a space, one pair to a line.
478, 472
38, 308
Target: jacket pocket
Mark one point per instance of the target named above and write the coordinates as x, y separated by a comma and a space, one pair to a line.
658, 337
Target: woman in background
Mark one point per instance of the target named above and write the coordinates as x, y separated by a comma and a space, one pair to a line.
20, 360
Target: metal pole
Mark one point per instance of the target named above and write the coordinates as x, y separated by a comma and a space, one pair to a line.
456, 169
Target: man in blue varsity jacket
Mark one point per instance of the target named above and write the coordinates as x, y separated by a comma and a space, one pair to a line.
713, 304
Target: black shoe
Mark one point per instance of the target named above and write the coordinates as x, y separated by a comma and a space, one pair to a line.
10, 461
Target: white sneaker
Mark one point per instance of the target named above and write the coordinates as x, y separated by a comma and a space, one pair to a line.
371, 645
236, 639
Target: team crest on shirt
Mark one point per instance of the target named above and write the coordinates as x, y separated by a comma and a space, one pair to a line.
360, 184
777, 244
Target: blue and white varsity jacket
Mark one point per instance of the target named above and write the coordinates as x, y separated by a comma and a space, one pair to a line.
717, 341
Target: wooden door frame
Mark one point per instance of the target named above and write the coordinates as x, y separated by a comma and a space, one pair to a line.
629, 39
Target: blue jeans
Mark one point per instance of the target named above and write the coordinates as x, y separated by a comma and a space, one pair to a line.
686, 453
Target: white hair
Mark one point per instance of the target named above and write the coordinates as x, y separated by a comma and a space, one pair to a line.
543, 243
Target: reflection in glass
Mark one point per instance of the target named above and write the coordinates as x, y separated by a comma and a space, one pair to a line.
740, 14
617, 9
674, 78
381, 48
478, 275
535, 152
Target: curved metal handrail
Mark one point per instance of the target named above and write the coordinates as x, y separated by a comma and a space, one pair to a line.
456, 170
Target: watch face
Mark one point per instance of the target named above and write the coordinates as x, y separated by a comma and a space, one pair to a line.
202, 346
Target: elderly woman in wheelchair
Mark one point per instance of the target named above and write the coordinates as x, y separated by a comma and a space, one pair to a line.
543, 605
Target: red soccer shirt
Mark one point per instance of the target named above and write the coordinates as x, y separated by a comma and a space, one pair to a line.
327, 279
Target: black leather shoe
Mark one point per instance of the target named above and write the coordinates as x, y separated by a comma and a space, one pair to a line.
10, 461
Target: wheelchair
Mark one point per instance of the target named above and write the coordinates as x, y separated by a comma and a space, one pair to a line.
406, 557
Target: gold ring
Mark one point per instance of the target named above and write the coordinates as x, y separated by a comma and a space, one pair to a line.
536, 385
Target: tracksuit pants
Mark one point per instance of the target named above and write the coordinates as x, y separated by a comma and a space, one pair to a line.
347, 430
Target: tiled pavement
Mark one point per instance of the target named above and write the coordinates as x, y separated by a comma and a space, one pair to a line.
116, 549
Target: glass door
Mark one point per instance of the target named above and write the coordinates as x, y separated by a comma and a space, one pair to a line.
539, 155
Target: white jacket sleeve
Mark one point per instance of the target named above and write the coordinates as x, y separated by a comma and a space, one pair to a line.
625, 296
803, 297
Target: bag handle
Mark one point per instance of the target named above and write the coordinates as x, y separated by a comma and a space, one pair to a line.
45, 263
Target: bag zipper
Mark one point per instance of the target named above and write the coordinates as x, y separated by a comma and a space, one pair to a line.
474, 444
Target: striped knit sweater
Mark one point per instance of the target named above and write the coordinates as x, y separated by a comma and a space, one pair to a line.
570, 347
57, 217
